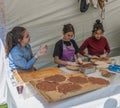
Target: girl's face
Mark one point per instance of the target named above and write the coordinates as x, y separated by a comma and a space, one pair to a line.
98, 34
26, 38
68, 36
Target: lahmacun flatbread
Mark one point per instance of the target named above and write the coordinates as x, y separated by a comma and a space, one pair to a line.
85, 62
106, 73
102, 66
74, 68
106, 60
66, 85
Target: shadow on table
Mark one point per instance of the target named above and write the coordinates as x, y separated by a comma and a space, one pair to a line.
111, 103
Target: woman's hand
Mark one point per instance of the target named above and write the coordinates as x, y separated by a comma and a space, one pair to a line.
103, 55
79, 60
42, 51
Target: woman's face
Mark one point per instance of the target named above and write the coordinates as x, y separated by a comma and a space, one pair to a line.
98, 34
26, 38
68, 36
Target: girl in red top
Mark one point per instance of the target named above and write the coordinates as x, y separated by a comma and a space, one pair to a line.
97, 44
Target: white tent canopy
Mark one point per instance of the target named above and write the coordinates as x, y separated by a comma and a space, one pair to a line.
45, 19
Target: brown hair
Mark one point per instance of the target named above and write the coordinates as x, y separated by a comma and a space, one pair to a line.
68, 28
13, 36
98, 26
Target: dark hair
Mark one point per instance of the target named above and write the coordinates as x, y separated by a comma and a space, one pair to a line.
68, 28
13, 36
98, 26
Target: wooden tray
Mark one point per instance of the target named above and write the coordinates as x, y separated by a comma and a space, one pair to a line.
73, 89
28, 76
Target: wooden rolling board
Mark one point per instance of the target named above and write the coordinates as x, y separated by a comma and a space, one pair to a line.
28, 76
106, 60
60, 85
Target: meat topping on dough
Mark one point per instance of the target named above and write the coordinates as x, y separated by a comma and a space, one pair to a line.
46, 86
68, 87
78, 79
87, 65
56, 78
98, 80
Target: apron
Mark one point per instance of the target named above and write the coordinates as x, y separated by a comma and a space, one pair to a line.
68, 53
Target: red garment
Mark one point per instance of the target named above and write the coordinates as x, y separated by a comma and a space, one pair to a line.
94, 46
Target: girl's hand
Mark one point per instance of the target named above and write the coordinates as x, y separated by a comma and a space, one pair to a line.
42, 51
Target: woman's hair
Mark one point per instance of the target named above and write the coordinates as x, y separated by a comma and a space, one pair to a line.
68, 28
13, 36
98, 26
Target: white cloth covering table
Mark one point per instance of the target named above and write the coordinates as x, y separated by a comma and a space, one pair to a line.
107, 97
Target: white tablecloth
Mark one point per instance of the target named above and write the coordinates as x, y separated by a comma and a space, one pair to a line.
3, 74
107, 97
